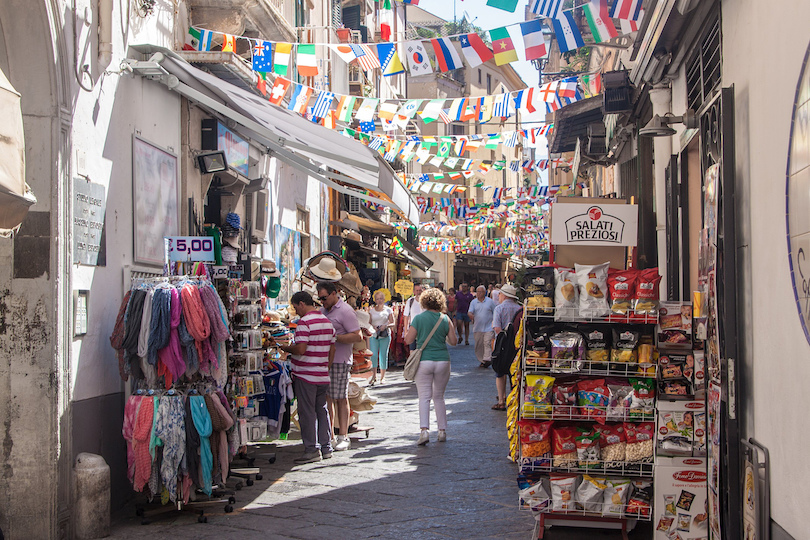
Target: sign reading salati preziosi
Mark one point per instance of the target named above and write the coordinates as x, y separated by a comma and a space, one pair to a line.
594, 224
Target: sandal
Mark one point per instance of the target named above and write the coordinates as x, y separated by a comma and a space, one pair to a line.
499, 407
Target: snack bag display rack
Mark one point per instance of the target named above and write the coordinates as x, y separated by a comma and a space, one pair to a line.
590, 485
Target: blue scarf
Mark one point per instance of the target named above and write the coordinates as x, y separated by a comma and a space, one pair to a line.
202, 421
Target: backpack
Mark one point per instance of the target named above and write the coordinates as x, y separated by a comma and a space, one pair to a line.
503, 354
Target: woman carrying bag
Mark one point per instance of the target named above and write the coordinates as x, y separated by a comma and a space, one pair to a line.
432, 331
382, 319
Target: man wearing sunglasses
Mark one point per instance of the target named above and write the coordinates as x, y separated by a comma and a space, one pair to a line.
347, 332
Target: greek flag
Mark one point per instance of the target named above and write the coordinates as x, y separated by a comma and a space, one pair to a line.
323, 104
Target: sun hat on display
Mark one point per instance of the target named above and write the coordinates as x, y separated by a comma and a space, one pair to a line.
326, 269
269, 268
509, 290
364, 318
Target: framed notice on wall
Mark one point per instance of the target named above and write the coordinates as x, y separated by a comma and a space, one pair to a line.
154, 200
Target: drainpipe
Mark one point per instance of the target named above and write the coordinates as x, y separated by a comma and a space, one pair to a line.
105, 24
661, 98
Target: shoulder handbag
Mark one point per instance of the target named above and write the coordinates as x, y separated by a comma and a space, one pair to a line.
412, 364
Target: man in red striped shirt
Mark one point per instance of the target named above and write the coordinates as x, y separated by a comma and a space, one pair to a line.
313, 352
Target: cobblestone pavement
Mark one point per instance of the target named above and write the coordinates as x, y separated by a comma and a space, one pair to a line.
384, 486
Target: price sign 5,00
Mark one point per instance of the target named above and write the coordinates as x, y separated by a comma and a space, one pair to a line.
191, 249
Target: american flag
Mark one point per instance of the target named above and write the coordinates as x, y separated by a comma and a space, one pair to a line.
365, 57
443, 114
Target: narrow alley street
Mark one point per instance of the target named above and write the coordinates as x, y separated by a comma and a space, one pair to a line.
385, 486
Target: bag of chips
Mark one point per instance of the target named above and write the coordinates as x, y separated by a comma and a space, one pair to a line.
622, 287
564, 399
564, 446
592, 399
587, 441
567, 348
612, 445
625, 343
642, 404
535, 438
597, 343
562, 492
640, 502
539, 286
620, 400
645, 301
566, 295
592, 281
615, 497
537, 398
590, 493
536, 496
640, 444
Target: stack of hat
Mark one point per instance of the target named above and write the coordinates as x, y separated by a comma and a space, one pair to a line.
326, 270
271, 278
230, 235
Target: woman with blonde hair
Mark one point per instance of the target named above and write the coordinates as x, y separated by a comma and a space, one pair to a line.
431, 330
382, 319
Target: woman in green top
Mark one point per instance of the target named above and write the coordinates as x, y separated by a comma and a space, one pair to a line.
434, 367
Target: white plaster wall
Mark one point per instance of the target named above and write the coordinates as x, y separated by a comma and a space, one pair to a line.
103, 125
764, 44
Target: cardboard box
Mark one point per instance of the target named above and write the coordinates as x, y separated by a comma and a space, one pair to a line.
680, 512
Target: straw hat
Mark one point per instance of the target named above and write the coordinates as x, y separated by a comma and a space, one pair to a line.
269, 268
232, 241
364, 318
326, 269
509, 290
354, 236
351, 284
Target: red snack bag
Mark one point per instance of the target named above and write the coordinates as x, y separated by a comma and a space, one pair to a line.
564, 446
622, 287
535, 438
592, 399
645, 300
564, 398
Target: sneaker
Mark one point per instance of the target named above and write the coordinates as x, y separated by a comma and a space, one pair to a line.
343, 444
308, 457
442, 436
326, 454
424, 438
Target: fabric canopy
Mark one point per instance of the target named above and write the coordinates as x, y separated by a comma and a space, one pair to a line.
15, 195
335, 159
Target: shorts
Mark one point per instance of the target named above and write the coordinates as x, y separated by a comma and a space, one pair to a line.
463, 317
339, 381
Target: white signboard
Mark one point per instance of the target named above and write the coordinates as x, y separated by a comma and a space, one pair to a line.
191, 249
594, 224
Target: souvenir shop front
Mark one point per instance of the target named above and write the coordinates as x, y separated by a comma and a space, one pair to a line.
611, 412
480, 270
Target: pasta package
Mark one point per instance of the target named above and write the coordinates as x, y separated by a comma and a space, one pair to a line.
566, 294
593, 300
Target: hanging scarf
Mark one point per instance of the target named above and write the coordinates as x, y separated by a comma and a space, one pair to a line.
202, 421
170, 429
192, 447
143, 338
140, 443
132, 323
117, 337
198, 325
192, 361
171, 354
159, 325
212, 303
127, 430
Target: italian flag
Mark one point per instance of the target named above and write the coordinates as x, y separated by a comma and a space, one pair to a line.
601, 26
306, 60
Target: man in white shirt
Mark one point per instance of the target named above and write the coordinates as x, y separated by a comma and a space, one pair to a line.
413, 308
481, 310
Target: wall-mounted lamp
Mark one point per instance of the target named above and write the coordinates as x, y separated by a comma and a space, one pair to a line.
659, 125
212, 162
257, 185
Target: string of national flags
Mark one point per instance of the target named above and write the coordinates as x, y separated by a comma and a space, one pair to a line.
396, 57
518, 245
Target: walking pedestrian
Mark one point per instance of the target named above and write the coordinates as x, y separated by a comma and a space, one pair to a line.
413, 308
347, 332
496, 293
382, 319
504, 314
463, 299
433, 373
481, 311
312, 353
451, 303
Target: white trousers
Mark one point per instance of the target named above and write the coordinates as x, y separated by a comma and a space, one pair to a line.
483, 345
431, 381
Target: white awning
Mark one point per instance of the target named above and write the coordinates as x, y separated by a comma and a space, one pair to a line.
336, 160
15, 195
